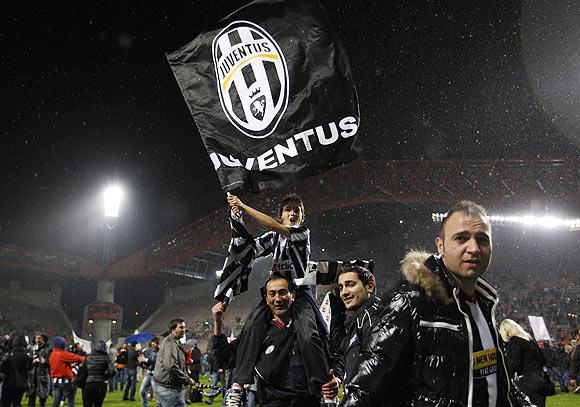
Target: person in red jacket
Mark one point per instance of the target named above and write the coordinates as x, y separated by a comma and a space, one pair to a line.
61, 364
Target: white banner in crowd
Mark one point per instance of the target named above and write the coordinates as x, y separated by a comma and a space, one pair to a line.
87, 347
325, 310
539, 328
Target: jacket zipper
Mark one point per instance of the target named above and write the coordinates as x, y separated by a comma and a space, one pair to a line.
470, 356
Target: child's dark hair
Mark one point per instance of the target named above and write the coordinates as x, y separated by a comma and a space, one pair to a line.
290, 199
363, 273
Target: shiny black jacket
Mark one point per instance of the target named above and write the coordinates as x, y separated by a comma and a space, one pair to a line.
418, 352
358, 326
99, 365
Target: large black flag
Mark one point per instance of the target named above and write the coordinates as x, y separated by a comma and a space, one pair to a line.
271, 91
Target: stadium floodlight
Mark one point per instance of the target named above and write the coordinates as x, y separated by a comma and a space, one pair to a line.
527, 220
113, 195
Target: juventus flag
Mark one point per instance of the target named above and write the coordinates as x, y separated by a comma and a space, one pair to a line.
271, 92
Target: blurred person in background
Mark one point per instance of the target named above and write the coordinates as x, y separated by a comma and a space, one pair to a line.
525, 360
61, 372
113, 357
14, 366
575, 363
99, 369
195, 367
562, 367
170, 374
39, 375
147, 360
121, 376
131, 369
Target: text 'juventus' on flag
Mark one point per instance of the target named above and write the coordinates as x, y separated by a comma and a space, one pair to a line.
272, 94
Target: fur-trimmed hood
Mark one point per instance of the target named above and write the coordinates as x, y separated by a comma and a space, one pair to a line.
414, 268
428, 271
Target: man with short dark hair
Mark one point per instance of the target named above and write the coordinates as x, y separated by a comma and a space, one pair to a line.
282, 379
169, 374
39, 375
356, 286
435, 343
288, 241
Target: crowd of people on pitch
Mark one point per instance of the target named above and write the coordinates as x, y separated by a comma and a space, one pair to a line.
41, 368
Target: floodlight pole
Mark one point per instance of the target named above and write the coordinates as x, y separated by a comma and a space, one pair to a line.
103, 326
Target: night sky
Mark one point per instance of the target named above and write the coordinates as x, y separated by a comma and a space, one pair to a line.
88, 97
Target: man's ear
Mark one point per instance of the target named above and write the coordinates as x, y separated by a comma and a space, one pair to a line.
440, 246
372, 285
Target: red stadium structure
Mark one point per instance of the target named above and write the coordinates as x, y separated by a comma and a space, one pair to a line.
193, 249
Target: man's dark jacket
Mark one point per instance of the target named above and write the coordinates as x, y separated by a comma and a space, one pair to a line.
418, 352
99, 365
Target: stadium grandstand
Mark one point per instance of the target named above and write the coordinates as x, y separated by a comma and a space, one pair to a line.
378, 213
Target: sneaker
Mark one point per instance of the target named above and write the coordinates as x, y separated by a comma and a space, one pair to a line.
235, 397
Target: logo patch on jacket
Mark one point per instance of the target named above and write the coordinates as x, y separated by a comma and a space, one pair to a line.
484, 362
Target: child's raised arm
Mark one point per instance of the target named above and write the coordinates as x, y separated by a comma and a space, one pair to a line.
264, 220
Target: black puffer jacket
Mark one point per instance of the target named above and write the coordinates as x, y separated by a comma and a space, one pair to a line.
526, 360
418, 352
99, 365
15, 365
358, 326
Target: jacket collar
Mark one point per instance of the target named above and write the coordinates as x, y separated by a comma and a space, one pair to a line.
428, 271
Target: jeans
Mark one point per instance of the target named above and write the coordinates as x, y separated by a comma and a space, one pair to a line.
146, 384
61, 391
563, 377
111, 382
251, 400
218, 377
32, 400
120, 377
131, 386
168, 397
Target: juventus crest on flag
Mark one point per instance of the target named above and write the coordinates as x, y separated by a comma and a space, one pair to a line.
271, 92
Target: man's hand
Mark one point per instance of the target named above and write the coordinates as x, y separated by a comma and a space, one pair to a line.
573, 384
330, 389
141, 358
